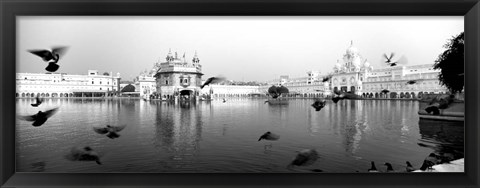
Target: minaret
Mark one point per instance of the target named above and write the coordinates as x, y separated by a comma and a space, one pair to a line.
195, 58
169, 55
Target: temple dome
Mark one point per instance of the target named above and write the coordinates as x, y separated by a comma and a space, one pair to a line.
352, 50
356, 61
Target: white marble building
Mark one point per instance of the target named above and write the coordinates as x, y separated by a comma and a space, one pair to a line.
66, 85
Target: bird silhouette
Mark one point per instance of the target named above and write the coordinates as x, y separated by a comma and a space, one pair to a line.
409, 167
224, 100
305, 157
389, 61
385, 91
327, 78
373, 168
389, 167
429, 161
38, 101
212, 80
51, 57
340, 95
266, 102
410, 82
39, 118
269, 136
110, 131
83, 154
319, 104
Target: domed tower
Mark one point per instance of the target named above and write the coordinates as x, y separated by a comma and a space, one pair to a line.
338, 67
169, 56
195, 59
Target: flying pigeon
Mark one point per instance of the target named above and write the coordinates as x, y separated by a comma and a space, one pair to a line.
318, 105
38, 102
411, 82
212, 80
83, 154
269, 136
305, 157
39, 118
110, 131
51, 57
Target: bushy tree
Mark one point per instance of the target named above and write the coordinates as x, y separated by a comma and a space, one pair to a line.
451, 64
275, 91
129, 88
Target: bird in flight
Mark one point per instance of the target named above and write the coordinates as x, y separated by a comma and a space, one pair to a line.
83, 154
110, 131
388, 60
319, 104
38, 101
305, 157
410, 82
269, 136
39, 118
51, 57
212, 80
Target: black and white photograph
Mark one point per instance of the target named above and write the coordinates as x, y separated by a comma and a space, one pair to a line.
240, 94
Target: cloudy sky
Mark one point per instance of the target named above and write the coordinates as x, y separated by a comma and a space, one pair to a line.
240, 48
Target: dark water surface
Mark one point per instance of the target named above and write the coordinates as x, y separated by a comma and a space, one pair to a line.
222, 137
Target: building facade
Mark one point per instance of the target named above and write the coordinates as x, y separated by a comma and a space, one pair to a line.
66, 85
177, 77
355, 74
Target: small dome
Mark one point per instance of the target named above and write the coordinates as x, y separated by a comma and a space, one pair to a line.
338, 65
366, 64
352, 50
357, 62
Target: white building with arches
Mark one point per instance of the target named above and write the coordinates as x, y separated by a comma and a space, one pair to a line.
66, 85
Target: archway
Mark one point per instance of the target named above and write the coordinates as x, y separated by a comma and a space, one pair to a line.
407, 95
393, 95
61, 94
413, 94
23, 94
420, 94
54, 94
402, 95
376, 95
16, 94
47, 95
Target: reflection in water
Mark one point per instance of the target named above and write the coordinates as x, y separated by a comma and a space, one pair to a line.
444, 137
212, 136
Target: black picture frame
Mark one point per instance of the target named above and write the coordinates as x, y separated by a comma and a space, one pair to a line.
470, 9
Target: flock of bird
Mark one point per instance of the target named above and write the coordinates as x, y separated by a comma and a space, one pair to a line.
76, 154
304, 157
86, 153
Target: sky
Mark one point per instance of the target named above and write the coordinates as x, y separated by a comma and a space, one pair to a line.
242, 48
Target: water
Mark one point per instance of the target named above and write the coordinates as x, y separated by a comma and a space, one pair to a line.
217, 137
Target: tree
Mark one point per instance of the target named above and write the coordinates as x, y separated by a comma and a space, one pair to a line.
451, 64
129, 88
275, 91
